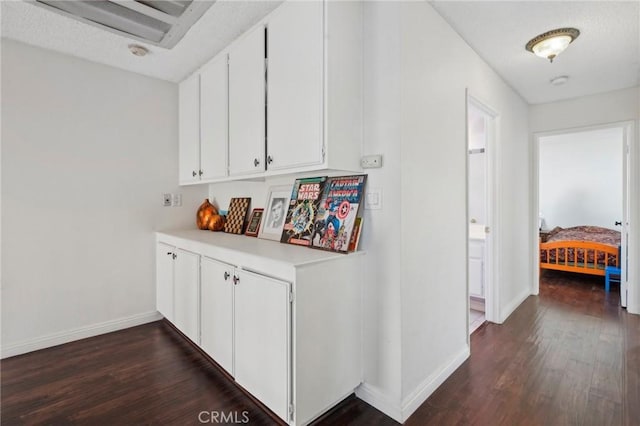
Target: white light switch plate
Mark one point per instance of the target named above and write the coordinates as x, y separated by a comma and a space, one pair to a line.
373, 199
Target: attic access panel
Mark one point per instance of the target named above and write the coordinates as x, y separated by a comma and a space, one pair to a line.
158, 22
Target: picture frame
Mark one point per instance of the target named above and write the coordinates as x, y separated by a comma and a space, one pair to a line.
254, 222
275, 212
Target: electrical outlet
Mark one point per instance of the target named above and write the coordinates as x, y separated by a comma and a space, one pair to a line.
371, 161
166, 200
176, 200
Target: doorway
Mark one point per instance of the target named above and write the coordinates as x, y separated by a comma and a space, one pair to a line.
582, 181
481, 132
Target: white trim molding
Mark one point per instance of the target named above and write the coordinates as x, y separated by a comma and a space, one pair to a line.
513, 305
380, 400
78, 334
415, 399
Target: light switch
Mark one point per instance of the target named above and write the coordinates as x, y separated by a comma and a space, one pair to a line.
373, 199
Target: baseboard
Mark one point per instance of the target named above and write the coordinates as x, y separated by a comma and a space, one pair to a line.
77, 334
431, 383
378, 399
513, 305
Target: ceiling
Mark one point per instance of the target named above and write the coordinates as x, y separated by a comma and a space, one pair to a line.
220, 25
605, 57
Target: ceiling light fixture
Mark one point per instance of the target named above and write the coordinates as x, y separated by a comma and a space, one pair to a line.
552, 43
138, 50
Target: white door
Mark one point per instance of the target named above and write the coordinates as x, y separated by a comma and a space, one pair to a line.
216, 308
214, 119
164, 280
247, 105
295, 86
626, 214
262, 339
189, 129
185, 293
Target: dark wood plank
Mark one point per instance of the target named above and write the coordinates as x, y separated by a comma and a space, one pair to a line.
570, 356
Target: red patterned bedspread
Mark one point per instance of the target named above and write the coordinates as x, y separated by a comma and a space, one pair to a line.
581, 233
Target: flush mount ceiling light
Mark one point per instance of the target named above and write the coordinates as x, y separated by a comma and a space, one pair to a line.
158, 22
550, 44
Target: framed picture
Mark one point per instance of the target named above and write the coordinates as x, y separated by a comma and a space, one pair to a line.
254, 222
275, 211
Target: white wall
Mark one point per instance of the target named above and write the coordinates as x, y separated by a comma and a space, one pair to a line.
597, 110
437, 67
87, 151
580, 178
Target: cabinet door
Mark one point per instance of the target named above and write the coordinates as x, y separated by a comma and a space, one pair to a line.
214, 119
295, 86
247, 105
262, 339
476, 277
185, 293
189, 124
164, 280
216, 311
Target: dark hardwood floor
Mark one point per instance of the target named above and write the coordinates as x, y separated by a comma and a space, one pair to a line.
570, 356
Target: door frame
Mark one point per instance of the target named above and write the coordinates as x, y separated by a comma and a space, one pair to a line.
629, 195
491, 284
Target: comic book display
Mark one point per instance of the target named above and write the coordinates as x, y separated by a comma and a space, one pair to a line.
303, 210
338, 209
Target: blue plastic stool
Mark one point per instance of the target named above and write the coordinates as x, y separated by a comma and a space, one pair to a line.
609, 273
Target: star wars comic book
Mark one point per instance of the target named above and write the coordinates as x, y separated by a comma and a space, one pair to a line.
303, 210
337, 213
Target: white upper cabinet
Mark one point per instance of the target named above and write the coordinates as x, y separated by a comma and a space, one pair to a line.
295, 86
293, 98
189, 121
214, 117
247, 104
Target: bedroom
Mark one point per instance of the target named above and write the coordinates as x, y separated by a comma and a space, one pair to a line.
582, 199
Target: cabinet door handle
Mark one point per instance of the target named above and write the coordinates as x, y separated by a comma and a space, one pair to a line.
174, 255
226, 275
269, 159
169, 253
200, 172
236, 280
256, 162
193, 173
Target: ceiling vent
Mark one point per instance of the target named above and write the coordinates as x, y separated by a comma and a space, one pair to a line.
161, 23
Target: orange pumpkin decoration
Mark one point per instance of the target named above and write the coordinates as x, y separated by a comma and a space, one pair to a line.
206, 212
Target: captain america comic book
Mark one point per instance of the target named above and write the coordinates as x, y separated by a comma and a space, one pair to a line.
337, 212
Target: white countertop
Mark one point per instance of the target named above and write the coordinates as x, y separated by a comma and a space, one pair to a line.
272, 250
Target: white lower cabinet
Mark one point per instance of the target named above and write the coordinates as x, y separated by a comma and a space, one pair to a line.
216, 311
476, 268
177, 287
164, 280
262, 328
271, 316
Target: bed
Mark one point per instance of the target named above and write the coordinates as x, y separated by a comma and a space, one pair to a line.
581, 249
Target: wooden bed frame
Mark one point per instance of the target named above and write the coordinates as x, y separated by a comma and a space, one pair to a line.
578, 246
